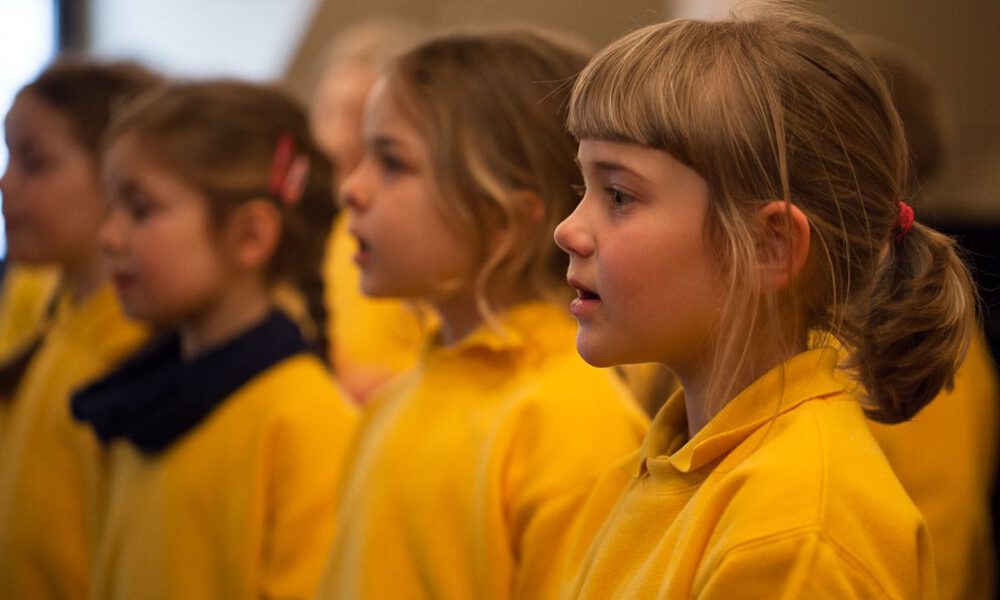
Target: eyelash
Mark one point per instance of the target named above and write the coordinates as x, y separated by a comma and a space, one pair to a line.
619, 199
391, 164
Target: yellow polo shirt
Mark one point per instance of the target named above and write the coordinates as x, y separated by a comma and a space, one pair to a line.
372, 339
469, 471
783, 494
51, 475
946, 458
241, 506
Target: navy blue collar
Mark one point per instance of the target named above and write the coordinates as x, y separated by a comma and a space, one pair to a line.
156, 397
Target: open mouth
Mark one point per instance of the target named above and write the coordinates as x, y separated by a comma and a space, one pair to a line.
583, 292
361, 256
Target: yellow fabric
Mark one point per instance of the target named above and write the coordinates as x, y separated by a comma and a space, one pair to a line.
372, 339
24, 300
240, 507
783, 494
469, 471
946, 459
51, 478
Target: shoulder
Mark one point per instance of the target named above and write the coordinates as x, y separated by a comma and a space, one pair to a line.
818, 469
300, 390
568, 395
572, 421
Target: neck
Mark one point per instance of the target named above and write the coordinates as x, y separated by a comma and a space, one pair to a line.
243, 306
701, 397
459, 317
83, 277
460, 314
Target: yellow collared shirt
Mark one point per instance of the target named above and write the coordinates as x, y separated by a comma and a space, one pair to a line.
469, 472
946, 458
51, 468
783, 494
241, 507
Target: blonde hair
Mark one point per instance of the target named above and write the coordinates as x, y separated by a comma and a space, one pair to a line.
222, 137
780, 105
492, 107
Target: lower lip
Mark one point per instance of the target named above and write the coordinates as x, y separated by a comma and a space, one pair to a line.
583, 307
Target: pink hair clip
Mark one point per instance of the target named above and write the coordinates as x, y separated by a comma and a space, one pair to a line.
288, 172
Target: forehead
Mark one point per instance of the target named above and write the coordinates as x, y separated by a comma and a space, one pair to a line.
32, 117
384, 117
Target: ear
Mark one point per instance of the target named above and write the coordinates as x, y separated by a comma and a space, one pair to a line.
783, 243
531, 204
253, 232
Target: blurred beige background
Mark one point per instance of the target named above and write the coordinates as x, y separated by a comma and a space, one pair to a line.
957, 41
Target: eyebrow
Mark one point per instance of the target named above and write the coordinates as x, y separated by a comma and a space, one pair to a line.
382, 142
612, 166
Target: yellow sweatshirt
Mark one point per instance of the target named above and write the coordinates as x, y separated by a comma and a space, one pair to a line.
239, 503
469, 471
50, 467
946, 458
372, 340
783, 494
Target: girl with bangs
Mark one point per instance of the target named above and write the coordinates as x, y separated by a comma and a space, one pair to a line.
469, 471
745, 217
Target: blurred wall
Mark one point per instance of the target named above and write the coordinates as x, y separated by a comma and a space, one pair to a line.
959, 43
597, 21
252, 39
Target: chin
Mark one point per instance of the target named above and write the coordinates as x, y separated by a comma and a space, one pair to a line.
596, 354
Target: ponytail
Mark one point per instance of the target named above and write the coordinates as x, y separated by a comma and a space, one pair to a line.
915, 327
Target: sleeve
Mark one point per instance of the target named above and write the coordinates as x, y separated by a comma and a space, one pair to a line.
801, 564
307, 451
561, 447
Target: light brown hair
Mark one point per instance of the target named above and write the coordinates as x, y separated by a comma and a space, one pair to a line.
781, 106
222, 137
492, 106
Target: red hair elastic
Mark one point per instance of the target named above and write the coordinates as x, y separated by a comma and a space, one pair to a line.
904, 221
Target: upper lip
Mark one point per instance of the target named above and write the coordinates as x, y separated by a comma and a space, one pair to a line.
582, 290
362, 242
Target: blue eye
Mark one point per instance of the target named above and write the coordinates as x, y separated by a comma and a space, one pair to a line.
619, 198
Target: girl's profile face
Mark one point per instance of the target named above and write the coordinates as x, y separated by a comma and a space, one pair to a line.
52, 198
166, 258
406, 249
647, 287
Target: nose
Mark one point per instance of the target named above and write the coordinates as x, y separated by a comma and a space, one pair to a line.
5, 185
573, 236
354, 194
111, 235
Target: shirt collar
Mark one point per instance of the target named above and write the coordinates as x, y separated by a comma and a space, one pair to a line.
525, 327
156, 396
805, 377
